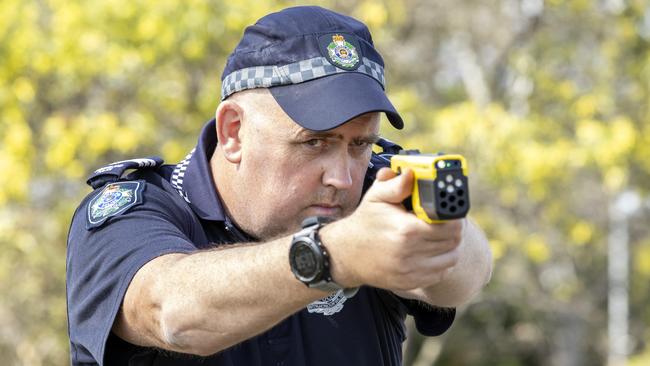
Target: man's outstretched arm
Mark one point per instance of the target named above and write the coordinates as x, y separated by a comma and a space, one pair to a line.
205, 302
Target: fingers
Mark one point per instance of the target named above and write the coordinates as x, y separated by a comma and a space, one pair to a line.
430, 240
385, 174
391, 189
451, 229
437, 267
430, 249
419, 230
428, 271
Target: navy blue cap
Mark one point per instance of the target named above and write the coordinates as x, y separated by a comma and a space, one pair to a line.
320, 66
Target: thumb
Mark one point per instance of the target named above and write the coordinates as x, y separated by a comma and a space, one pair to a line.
391, 189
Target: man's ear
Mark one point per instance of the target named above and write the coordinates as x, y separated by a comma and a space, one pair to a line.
229, 117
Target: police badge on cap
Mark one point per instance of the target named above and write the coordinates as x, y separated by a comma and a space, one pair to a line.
341, 50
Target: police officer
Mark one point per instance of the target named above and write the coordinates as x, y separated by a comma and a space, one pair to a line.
257, 249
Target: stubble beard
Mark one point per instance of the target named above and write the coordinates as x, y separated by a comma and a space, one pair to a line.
274, 230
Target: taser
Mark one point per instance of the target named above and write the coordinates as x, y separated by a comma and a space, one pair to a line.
440, 191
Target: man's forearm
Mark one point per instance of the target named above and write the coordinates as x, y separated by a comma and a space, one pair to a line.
205, 302
467, 277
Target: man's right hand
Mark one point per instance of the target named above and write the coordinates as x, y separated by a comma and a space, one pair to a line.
383, 245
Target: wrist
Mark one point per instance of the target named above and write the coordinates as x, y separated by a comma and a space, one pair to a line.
309, 259
337, 243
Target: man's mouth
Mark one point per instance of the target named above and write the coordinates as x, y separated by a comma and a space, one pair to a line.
325, 209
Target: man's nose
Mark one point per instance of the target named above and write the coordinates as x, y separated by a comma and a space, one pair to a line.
337, 173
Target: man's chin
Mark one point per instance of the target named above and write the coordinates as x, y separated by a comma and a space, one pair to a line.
283, 230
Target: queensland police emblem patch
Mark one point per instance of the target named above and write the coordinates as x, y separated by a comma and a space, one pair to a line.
341, 52
329, 305
113, 200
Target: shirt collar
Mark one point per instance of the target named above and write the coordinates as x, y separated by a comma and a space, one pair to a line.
192, 177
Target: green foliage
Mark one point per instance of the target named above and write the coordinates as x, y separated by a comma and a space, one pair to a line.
550, 106
86, 83
545, 166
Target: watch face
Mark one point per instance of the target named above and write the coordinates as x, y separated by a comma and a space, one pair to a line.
304, 261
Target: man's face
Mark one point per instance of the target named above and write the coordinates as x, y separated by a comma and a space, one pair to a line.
290, 173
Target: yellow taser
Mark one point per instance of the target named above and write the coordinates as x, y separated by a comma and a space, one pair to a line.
440, 191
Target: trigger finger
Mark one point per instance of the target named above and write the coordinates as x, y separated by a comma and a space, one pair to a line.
385, 174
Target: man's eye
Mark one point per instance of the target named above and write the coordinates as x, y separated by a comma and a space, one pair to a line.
314, 142
360, 144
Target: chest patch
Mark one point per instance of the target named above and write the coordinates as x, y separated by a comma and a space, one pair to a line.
113, 200
329, 305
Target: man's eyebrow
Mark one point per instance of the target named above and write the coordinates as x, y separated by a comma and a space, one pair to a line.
370, 138
318, 134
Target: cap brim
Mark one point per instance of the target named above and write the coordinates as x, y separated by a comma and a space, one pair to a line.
328, 102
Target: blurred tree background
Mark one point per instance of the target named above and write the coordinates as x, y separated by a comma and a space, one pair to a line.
548, 100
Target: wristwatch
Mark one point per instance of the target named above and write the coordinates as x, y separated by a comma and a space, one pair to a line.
309, 260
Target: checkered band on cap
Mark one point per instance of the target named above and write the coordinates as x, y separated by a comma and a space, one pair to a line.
295, 73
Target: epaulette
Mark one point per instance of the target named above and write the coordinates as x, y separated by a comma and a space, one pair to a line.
114, 171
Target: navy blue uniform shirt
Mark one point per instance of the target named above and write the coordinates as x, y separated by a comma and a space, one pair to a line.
175, 209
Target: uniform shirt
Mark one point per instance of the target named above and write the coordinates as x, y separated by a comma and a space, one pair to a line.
175, 209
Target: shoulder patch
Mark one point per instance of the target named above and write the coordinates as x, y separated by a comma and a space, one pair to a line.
114, 199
